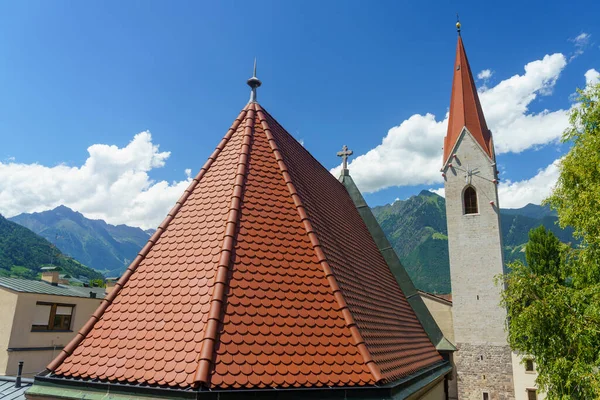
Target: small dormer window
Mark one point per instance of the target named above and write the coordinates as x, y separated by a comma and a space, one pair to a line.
470, 200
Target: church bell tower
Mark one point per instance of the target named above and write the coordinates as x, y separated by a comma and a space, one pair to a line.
483, 360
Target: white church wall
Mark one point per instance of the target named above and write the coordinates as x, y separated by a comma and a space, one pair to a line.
483, 358
475, 247
524, 380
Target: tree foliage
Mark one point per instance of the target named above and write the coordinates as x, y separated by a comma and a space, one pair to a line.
97, 283
553, 301
576, 197
543, 252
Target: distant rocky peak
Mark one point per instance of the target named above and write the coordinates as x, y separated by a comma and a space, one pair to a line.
428, 193
64, 209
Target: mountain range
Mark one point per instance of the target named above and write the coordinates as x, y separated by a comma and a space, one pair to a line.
23, 254
416, 228
106, 248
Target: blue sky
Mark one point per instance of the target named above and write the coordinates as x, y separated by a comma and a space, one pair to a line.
75, 74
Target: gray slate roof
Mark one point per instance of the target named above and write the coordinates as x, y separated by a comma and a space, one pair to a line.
41, 287
8, 391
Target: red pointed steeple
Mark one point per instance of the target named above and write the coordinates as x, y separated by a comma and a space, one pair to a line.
465, 109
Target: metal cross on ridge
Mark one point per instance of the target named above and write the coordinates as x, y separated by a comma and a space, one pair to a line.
345, 153
469, 174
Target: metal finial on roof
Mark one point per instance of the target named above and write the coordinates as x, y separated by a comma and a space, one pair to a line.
457, 24
345, 153
253, 82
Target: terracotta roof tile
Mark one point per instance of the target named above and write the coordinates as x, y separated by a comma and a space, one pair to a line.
379, 307
263, 275
465, 108
206, 208
291, 279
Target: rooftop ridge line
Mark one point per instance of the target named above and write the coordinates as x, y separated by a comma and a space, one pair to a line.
221, 277
107, 301
462, 83
316, 244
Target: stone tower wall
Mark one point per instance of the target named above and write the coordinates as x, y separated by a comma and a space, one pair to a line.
475, 245
484, 368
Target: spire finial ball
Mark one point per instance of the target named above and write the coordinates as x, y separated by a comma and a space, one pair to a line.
254, 83
458, 26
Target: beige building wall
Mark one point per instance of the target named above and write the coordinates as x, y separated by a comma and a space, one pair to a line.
8, 304
435, 391
441, 311
523, 379
16, 334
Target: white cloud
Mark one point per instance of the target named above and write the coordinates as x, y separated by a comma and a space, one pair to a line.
592, 77
506, 107
534, 190
581, 42
113, 184
439, 191
582, 39
485, 74
411, 153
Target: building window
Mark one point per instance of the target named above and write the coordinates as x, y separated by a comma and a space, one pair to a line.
486, 396
531, 394
52, 317
529, 366
470, 200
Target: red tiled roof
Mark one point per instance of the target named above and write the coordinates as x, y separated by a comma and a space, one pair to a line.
263, 275
465, 109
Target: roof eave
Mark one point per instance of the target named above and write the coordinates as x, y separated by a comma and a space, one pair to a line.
444, 345
50, 387
435, 297
77, 296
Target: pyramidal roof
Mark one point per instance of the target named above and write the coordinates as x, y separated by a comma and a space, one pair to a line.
465, 108
263, 275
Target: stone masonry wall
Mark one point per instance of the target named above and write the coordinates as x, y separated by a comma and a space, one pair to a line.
484, 368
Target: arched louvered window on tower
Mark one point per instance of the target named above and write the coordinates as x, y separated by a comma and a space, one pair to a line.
470, 200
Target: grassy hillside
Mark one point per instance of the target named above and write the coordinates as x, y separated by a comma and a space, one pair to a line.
23, 253
416, 228
104, 247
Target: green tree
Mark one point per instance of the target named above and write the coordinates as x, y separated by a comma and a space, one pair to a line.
576, 197
543, 252
553, 302
97, 283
